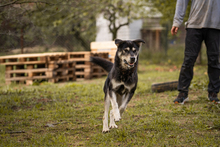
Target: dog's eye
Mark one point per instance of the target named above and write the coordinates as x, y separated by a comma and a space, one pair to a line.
126, 51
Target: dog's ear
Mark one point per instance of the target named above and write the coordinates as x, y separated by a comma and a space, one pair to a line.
138, 41
118, 42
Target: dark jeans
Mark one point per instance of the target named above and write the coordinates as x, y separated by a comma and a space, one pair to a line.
194, 38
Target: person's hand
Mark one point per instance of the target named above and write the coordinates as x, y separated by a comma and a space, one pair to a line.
174, 30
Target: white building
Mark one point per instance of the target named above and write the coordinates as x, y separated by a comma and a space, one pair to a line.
148, 28
131, 31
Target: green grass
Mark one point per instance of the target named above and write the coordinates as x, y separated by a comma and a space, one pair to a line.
174, 55
70, 114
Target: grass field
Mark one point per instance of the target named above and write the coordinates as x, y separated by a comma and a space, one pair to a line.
70, 114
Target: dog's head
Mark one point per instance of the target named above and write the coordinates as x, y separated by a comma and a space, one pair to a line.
128, 52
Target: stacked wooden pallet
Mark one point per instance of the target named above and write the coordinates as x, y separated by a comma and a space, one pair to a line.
97, 71
27, 68
107, 47
51, 67
57, 67
60, 68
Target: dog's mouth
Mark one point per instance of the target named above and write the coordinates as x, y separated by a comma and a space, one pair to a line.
129, 64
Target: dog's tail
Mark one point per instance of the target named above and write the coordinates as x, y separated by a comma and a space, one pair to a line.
105, 64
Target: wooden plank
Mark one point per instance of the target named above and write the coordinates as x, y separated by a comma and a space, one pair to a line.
28, 70
81, 73
61, 62
27, 78
22, 56
63, 69
82, 66
57, 57
55, 53
80, 59
22, 63
79, 56
102, 45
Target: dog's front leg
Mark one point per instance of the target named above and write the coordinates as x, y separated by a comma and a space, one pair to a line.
112, 120
115, 109
105, 117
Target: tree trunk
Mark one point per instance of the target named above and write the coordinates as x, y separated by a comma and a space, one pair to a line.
114, 34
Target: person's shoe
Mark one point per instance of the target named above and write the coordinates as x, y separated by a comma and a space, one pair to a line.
213, 97
181, 98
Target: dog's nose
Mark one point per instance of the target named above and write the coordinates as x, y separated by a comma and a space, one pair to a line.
132, 59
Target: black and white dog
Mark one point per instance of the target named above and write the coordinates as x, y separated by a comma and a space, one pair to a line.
122, 79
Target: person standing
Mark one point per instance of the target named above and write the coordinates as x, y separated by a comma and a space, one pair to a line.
203, 24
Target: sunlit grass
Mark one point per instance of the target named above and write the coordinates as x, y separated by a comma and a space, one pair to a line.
70, 114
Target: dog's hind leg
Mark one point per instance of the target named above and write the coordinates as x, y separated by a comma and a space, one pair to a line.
126, 99
105, 117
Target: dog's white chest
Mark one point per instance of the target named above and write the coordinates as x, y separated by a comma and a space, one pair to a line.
116, 84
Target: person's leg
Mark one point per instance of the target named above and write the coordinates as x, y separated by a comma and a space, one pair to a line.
193, 43
212, 41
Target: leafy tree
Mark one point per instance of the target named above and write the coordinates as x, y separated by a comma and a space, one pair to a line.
67, 23
47, 22
116, 11
167, 8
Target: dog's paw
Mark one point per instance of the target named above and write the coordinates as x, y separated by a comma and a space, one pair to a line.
113, 126
117, 117
105, 130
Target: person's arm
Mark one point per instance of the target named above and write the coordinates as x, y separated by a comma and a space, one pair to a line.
181, 6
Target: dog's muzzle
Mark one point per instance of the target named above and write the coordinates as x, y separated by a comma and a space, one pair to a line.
132, 61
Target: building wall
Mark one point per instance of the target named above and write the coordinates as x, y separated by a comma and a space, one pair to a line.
102, 29
135, 29
132, 31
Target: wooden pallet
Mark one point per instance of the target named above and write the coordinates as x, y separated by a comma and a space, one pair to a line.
30, 75
79, 56
83, 65
56, 57
27, 68
97, 72
107, 47
23, 59
52, 67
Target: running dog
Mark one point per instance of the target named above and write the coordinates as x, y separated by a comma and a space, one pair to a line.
122, 79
